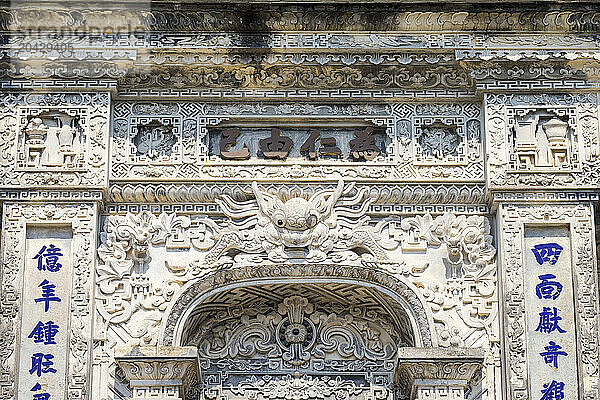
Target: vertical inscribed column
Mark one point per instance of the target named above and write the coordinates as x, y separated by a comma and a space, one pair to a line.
550, 308
550, 312
45, 325
47, 286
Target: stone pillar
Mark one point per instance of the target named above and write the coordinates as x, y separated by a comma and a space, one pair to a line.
159, 373
53, 175
550, 307
439, 374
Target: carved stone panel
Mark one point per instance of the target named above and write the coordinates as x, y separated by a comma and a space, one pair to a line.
392, 142
74, 333
54, 139
154, 266
524, 322
542, 140
293, 347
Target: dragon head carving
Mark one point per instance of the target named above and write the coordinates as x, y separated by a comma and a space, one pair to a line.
321, 223
297, 213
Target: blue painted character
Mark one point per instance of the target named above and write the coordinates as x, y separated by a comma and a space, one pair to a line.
48, 294
553, 391
547, 252
42, 364
39, 396
549, 321
552, 352
47, 258
548, 289
44, 333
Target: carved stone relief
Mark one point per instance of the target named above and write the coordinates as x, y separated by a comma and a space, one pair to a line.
293, 347
154, 140
326, 233
578, 218
541, 140
182, 223
419, 148
51, 139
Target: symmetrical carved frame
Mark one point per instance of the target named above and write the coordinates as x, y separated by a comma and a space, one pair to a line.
92, 111
581, 112
457, 296
401, 70
579, 218
403, 122
82, 219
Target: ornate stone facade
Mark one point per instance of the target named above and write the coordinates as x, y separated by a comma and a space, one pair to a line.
283, 202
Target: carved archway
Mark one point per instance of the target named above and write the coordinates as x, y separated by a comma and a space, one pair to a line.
296, 328
196, 292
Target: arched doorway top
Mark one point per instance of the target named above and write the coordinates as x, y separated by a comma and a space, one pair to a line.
379, 282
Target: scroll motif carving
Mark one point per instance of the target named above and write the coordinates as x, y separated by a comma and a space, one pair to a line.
279, 18
296, 332
296, 336
303, 387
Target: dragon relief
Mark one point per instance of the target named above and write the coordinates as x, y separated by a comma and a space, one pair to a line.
325, 224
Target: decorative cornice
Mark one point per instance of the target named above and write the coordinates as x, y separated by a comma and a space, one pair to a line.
543, 197
62, 195
457, 364
389, 193
301, 18
159, 366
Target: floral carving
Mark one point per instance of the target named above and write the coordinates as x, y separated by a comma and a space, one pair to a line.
154, 140
301, 387
439, 141
297, 332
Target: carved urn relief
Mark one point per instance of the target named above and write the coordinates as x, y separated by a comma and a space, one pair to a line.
52, 139
541, 140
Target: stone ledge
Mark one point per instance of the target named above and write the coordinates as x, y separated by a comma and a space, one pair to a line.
452, 368
159, 367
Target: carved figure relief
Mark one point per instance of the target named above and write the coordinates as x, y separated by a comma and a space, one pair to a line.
299, 233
